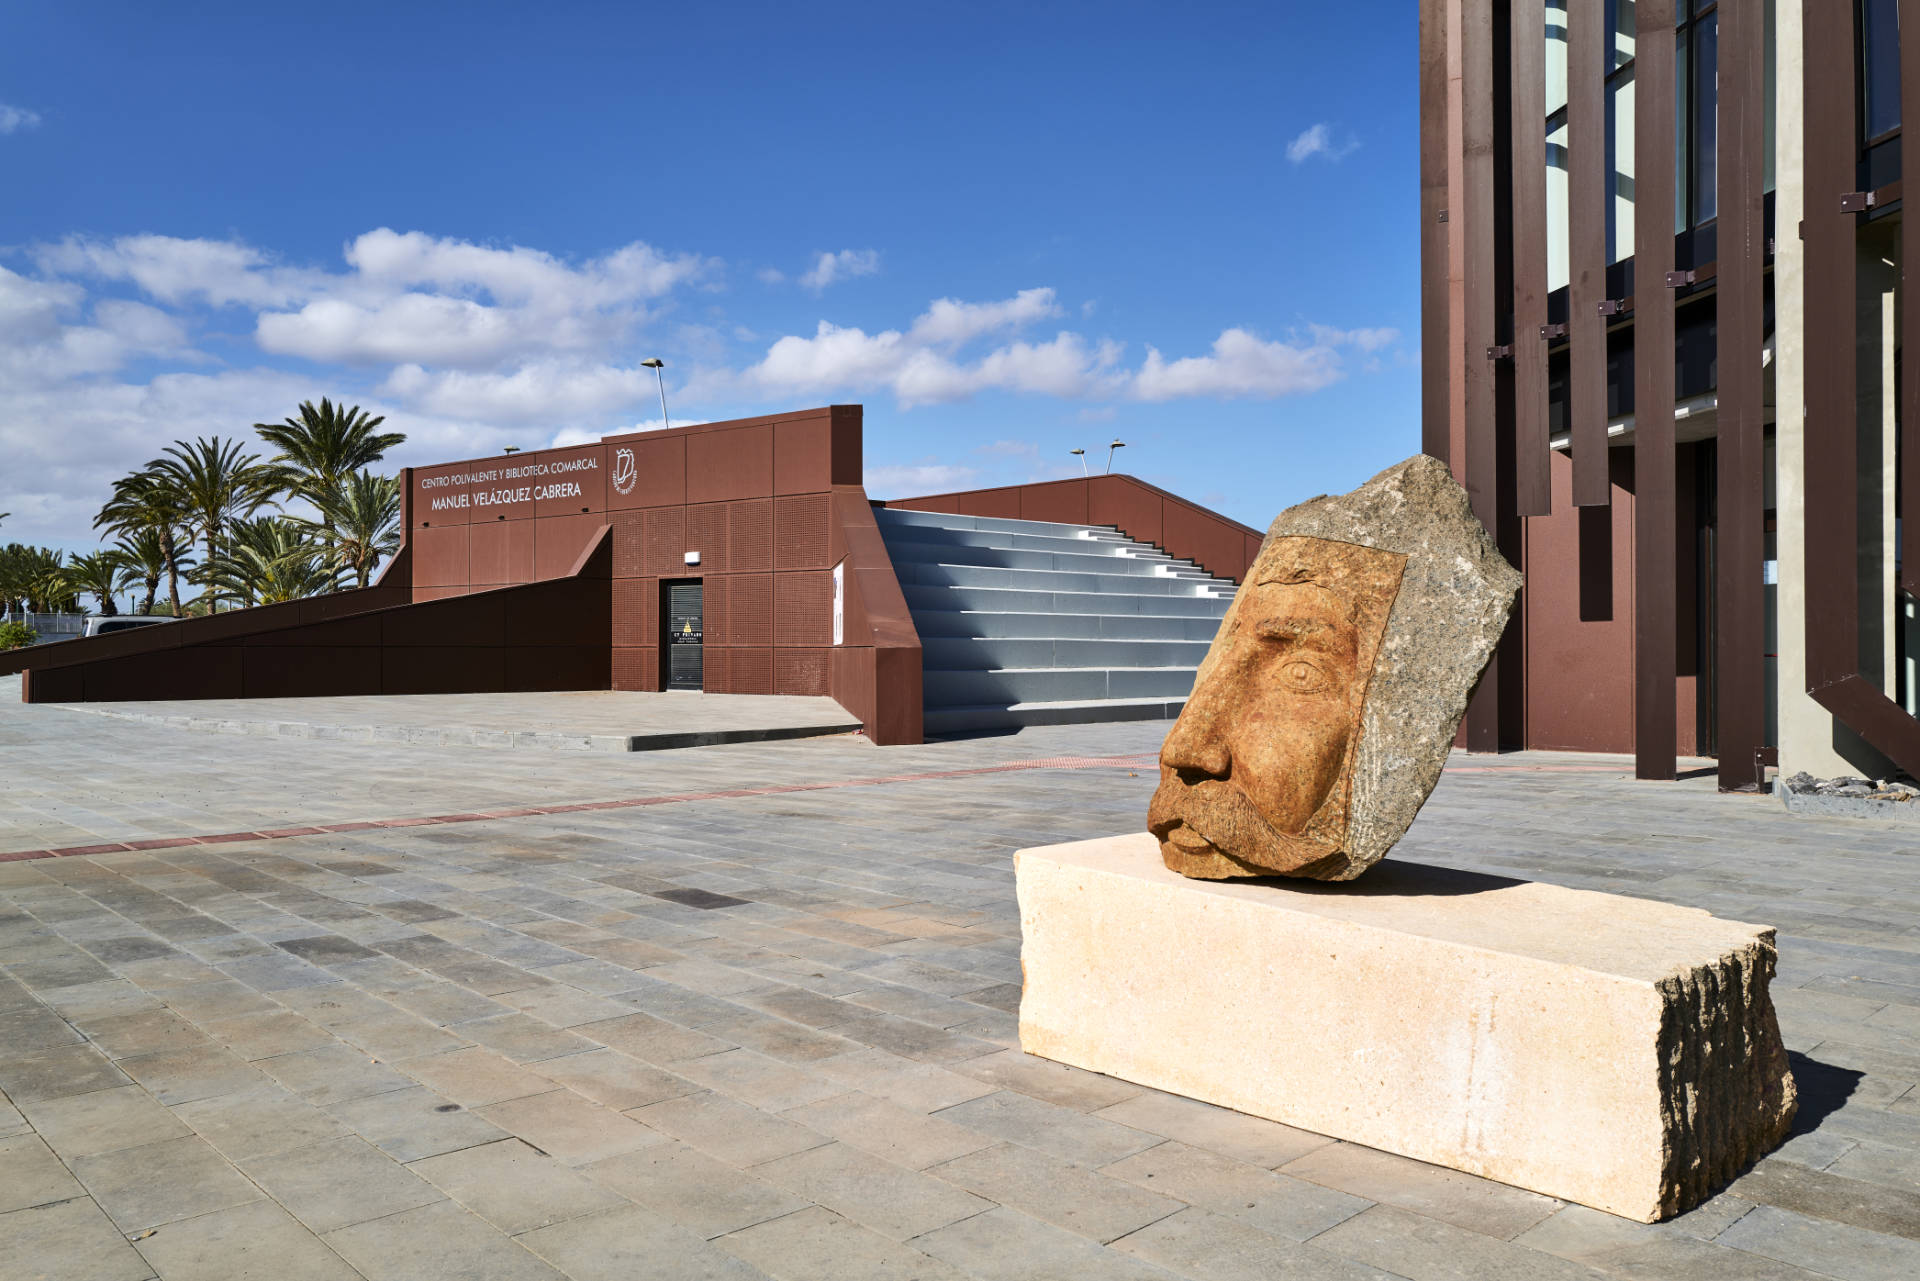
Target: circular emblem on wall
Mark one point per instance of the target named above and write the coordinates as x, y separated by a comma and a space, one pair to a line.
625, 471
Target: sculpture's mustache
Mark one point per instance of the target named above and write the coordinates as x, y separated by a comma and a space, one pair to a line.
1212, 807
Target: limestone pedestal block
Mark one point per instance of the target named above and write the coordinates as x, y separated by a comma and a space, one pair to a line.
1607, 1050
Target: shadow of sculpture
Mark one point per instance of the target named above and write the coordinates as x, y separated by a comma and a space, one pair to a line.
1823, 1088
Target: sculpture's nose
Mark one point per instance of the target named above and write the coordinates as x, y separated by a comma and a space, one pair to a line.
1197, 745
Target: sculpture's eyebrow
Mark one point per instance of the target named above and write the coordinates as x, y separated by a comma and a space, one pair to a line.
1299, 631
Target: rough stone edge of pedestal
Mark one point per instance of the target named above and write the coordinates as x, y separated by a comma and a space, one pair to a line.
1723, 1144
1720, 1042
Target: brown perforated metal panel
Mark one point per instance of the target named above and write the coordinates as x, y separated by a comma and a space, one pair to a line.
636, 669
629, 544
666, 536
800, 532
717, 594
707, 534
750, 606
719, 669
803, 609
750, 534
635, 616
751, 671
800, 671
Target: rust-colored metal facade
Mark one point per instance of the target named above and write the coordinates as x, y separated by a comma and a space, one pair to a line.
545, 571
1641, 627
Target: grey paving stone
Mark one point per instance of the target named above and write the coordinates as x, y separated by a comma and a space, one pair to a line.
1200, 1244
436, 1240
1832, 1249
818, 1245
1821, 1195
572, 1129
258, 1121
1065, 1133
52, 1074
708, 1196
1216, 1129
1047, 1188
860, 1187
474, 1077
1480, 1205
1009, 1246
1057, 1083
1424, 1249
629, 1242
413, 1123
340, 1182
31, 1175
652, 1040
254, 1242
729, 1130
1273, 1203
70, 1239
513, 1186
35, 1028
612, 1079
158, 1183
919, 1087
754, 1078
332, 1074
889, 1131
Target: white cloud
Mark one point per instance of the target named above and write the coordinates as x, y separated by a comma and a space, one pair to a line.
829, 267
1241, 365
14, 119
537, 392
1367, 340
948, 320
1317, 140
172, 270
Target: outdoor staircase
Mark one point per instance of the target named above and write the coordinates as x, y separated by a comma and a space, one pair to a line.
1027, 622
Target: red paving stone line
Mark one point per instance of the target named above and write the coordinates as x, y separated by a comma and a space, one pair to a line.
1135, 761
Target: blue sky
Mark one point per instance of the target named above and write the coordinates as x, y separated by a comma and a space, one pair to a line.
1008, 230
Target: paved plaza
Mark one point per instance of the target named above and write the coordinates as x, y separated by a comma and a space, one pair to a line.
325, 1009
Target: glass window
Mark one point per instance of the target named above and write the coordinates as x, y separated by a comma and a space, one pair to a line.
1620, 172
1705, 146
1880, 65
1556, 55
1557, 206
1620, 32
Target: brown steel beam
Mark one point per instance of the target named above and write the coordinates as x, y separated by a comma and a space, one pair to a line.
1587, 164
1739, 696
1476, 228
1831, 453
1435, 355
1909, 405
1527, 60
1655, 585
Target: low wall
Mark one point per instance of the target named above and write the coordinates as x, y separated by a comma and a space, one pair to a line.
510, 639
1146, 513
876, 667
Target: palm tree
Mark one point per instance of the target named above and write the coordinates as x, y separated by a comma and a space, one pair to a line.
101, 575
147, 558
270, 560
33, 578
362, 518
144, 504
216, 484
320, 448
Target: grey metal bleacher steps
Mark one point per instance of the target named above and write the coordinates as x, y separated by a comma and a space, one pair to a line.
1026, 622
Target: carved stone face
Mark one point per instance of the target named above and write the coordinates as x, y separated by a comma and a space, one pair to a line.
1256, 777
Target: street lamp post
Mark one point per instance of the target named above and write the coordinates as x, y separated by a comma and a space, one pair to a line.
1117, 444
656, 365
1081, 454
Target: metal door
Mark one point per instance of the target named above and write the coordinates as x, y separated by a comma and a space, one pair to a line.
684, 635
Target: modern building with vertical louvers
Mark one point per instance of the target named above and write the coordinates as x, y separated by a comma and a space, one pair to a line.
1662, 307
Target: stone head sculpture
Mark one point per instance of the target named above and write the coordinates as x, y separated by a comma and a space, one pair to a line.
1324, 709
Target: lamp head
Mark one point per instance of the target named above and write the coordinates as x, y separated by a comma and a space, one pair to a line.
653, 362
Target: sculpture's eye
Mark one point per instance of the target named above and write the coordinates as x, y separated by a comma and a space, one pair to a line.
1302, 677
